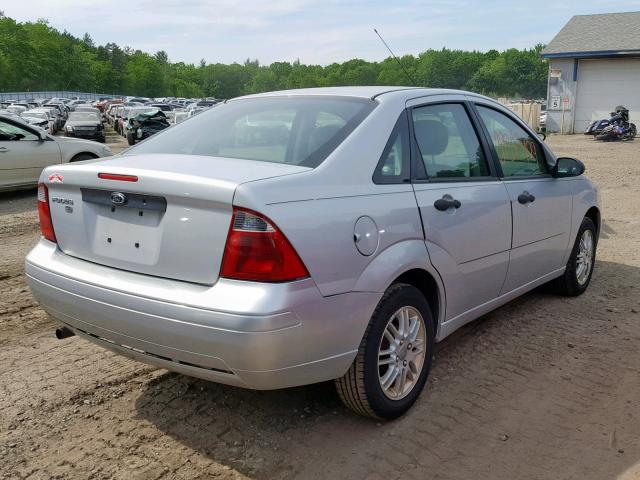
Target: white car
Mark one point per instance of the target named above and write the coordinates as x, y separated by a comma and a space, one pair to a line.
25, 150
17, 109
39, 118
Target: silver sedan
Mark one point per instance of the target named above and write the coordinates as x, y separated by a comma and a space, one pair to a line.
296, 237
25, 150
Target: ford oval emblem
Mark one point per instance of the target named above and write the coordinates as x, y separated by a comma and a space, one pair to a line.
118, 198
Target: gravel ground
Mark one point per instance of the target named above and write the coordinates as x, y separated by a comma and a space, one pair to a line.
545, 387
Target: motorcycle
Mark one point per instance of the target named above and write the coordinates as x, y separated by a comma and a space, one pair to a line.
618, 132
617, 127
596, 127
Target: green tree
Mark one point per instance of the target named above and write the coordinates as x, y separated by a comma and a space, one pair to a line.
36, 56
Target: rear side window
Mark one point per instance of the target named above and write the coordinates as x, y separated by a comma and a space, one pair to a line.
393, 166
447, 142
296, 130
519, 153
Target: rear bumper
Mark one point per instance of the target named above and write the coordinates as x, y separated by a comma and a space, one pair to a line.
252, 335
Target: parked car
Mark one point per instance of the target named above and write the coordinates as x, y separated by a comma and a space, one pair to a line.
111, 113
87, 109
25, 150
39, 118
17, 109
165, 107
56, 114
302, 236
62, 109
144, 125
128, 112
176, 116
85, 125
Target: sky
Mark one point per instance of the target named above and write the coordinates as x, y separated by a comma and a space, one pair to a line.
313, 31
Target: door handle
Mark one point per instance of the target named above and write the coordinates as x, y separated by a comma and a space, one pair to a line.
525, 197
3, 149
446, 202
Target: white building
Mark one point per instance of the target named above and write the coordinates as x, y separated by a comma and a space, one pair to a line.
594, 65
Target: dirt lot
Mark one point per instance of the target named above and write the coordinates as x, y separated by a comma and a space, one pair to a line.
545, 387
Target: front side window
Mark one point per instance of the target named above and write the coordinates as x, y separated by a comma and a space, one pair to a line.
519, 153
447, 142
299, 131
11, 132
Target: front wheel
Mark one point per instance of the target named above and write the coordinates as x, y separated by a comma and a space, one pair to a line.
579, 269
394, 357
131, 139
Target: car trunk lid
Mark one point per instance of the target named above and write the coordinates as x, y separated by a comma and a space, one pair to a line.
162, 215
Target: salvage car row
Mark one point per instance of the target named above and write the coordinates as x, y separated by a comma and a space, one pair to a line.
74, 118
139, 118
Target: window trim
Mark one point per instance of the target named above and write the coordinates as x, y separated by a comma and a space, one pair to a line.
496, 159
401, 126
416, 160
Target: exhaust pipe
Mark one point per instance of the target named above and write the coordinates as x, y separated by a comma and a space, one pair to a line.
64, 332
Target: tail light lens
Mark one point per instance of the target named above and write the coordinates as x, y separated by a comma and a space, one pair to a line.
46, 225
257, 251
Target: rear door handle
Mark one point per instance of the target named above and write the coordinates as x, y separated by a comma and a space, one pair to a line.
447, 202
4, 149
525, 197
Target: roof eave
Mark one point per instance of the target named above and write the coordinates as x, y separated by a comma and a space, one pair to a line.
593, 54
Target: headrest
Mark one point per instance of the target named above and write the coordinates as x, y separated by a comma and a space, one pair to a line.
432, 136
321, 135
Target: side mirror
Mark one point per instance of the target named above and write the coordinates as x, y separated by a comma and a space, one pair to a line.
42, 135
568, 167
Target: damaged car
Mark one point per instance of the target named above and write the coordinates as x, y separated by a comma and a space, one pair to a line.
144, 125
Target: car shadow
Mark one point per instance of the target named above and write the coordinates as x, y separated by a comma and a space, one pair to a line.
18, 201
251, 431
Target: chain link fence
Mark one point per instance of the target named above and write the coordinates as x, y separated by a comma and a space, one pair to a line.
16, 96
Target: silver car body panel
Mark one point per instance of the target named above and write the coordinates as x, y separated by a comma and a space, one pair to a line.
242, 333
198, 192
175, 312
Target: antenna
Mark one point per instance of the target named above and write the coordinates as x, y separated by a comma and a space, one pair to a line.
411, 79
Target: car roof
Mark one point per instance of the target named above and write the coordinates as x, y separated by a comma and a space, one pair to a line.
371, 92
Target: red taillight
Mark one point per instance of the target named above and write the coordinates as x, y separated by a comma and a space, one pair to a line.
118, 177
46, 225
257, 251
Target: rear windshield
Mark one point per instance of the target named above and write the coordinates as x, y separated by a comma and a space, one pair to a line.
295, 130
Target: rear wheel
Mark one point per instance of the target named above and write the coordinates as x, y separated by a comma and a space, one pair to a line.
577, 274
394, 357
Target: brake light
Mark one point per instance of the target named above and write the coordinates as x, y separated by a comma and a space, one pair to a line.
118, 177
257, 251
44, 213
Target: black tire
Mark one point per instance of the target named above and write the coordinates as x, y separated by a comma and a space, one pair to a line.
604, 137
568, 284
360, 388
131, 139
82, 156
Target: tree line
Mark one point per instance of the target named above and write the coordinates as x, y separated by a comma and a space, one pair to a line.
35, 56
